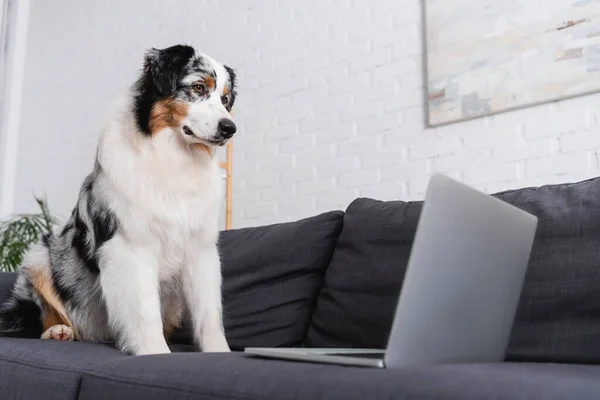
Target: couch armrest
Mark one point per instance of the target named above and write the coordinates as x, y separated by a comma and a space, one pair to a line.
7, 281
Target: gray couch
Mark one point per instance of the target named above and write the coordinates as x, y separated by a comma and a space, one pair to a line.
333, 280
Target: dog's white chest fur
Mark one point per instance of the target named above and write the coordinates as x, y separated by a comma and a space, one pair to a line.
165, 194
163, 190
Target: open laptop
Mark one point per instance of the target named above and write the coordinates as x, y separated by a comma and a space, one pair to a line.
461, 288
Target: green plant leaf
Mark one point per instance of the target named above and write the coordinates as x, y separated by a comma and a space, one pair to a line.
19, 232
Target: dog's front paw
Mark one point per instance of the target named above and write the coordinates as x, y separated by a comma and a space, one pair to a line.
214, 343
58, 332
153, 350
216, 348
223, 350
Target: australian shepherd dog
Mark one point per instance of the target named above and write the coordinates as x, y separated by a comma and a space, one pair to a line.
139, 251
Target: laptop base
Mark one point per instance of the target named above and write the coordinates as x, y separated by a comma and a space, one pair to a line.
371, 358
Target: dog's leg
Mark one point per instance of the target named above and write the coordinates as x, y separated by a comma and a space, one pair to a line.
130, 284
202, 289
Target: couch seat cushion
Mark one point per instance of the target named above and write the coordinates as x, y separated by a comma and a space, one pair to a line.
236, 376
47, 369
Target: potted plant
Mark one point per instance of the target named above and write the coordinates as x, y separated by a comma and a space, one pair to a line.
19, 232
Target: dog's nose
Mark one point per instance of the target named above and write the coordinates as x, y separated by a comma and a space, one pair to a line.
227, 128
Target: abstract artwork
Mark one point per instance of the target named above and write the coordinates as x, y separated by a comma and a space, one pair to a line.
490, 56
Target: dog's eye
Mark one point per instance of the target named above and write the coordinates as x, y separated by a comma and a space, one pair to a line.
199, 88
225, 100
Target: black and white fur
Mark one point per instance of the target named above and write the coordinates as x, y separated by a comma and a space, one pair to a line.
140, 247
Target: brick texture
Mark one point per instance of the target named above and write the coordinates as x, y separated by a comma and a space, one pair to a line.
331, 103
367, 119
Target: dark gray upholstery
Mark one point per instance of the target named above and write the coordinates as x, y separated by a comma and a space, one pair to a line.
357, 302
235, 376
7, 281
285, 285
271, 279
272, 276
559, 312
47, 369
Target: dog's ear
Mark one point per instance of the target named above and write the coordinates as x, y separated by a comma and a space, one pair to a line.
232, 86
166, 65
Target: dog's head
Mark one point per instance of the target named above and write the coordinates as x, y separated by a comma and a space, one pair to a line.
186, 91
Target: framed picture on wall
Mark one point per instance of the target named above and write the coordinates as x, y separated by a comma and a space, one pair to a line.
489, 56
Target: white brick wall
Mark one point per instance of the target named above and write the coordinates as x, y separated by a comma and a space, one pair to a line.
331, 103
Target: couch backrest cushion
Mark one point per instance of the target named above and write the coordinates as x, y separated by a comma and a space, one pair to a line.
7, 281
362, 283
272, 276
559, 311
